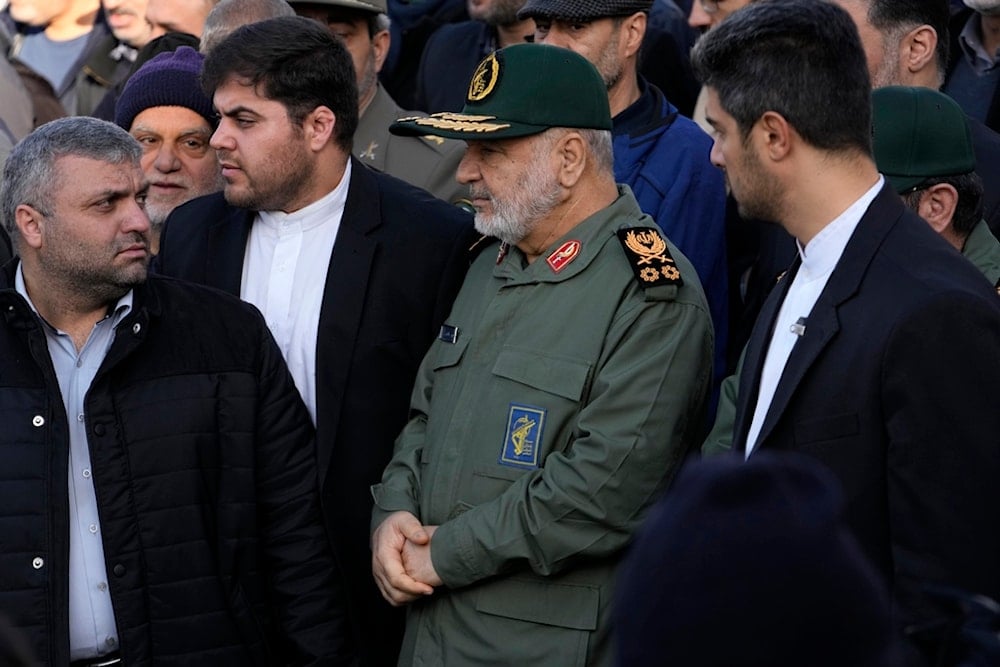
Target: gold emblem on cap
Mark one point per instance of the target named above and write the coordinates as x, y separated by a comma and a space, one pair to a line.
460, 123
484, 79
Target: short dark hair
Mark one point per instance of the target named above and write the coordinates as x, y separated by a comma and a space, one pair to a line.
968, 210
295, 61
893, 17
800, 58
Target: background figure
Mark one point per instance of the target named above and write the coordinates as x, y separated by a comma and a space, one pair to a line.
354, 270
187, 16
748, 564
863, 356
228, 15
972, 65
923, 145
427, 162
452, 51
58, 39
563, 391
159, 474
164, 108
906, 44
661, 155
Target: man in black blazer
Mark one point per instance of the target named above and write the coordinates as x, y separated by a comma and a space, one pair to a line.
353, 270
879, 352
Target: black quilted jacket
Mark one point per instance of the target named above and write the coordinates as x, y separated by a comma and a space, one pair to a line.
203, 463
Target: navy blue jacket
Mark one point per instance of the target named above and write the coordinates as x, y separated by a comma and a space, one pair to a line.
664, 158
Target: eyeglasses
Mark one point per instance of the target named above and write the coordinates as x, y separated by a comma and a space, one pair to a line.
710, 6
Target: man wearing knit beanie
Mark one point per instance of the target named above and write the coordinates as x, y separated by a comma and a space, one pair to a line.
164, 108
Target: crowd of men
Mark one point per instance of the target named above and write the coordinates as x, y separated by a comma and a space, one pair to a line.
655, 332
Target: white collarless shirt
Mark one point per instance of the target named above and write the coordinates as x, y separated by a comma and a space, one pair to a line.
819, 258
284, 275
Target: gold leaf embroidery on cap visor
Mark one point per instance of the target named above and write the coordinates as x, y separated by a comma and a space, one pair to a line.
461, 123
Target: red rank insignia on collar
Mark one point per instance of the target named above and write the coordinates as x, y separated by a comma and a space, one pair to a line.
563, 255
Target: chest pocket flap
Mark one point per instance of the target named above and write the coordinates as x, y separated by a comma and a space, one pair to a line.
559, 376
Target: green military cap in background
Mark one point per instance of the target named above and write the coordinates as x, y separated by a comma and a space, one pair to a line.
522, 90
919, 134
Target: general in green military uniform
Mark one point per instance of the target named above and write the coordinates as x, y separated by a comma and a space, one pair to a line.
561, 395
428, 162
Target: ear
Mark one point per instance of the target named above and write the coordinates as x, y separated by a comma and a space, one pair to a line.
632, 32
773, 135
319, 127
30, 224
380, 45
917, 50
571, 151
937, 206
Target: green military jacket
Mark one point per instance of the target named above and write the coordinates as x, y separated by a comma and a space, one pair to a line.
981, 248
557, 402
426, 162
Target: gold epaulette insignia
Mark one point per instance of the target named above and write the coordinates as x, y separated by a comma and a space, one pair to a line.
649, 256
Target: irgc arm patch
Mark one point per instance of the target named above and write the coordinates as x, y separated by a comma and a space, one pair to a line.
649, 257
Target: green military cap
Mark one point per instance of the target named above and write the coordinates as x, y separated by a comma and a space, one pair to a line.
521, 90
919, 134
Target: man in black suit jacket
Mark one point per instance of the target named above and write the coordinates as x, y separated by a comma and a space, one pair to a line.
353, 270
879, 352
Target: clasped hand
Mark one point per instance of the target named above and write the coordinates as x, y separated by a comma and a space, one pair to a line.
401, 559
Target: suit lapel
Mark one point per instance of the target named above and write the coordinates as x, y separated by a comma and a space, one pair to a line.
756, 350
227, 243
823, 323
343, 305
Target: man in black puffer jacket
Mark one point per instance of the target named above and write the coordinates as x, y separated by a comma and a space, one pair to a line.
158, 496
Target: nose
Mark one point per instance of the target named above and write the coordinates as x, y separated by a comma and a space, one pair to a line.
698, 18
468, 168
715, 156
135, 219
166, 159
221, 140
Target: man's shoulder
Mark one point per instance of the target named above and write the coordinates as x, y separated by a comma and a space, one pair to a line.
204, 210
406, 208
914, 267
181, 301
452, 37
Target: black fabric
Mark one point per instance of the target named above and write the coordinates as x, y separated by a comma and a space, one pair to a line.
201, 452
398, 262
892, 386
582, 10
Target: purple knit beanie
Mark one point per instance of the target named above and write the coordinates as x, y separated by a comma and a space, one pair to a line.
168, 80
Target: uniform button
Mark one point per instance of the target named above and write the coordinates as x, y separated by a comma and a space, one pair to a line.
119, 570
38, 420
93, 528
136, 328
99, 429
103, 586
79, 363
80, 417
110, 641
38, 563
86, 473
